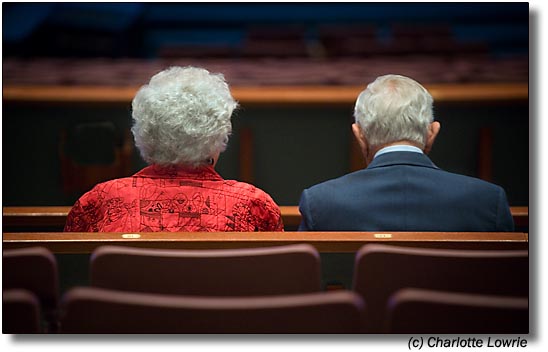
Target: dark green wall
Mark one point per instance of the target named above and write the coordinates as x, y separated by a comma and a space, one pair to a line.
294, 147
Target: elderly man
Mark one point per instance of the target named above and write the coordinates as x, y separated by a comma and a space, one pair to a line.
401, 189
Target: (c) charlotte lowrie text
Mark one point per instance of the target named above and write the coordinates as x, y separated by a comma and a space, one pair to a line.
476, 342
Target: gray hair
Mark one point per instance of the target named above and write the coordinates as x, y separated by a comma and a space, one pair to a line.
394, 108
182, 116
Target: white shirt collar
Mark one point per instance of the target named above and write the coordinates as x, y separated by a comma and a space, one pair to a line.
398, 148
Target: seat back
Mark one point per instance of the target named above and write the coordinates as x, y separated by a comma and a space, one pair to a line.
417, 311
236, 272
381, 270
20, 312
92, 152
33, 269
96, 310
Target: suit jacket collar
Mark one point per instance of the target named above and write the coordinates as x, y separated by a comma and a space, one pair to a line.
402, 158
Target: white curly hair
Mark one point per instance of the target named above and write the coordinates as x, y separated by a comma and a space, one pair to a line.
182, 116
394, 108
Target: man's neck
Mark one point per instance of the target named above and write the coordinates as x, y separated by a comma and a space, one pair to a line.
375, 150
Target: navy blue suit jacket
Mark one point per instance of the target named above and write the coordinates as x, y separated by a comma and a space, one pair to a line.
405, 191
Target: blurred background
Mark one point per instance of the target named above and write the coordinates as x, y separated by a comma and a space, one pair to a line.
70, 71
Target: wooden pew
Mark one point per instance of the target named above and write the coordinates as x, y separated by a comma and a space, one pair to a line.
37, 218
52, 218
521, 216
86, 242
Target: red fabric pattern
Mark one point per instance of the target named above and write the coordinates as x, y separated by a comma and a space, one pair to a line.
174, 199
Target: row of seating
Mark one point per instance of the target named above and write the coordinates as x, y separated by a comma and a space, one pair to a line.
270, 290
266, 72
331, 41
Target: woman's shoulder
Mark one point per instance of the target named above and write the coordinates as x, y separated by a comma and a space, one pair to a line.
107, 188
248, 189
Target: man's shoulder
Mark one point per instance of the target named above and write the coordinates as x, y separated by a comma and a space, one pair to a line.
369, 177
466, 180
341, 182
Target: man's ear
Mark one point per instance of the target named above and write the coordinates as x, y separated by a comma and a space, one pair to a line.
356, 129
433, 130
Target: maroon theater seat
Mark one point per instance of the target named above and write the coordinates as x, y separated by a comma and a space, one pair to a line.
33, 269
279, 270
417, 311
381, 270
95, 310
20, 312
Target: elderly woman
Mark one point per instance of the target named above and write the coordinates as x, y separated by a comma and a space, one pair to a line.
181, 125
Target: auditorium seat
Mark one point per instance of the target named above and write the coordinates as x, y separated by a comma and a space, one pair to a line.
95, 310
381, 270
175, 51
93, 152
20, 312
33, 269
417, 311
344, 40
277, 270
414, 38
280, 41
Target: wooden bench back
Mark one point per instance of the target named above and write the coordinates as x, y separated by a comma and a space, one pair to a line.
53, 218
86, 242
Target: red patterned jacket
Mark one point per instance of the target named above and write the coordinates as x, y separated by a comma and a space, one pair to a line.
174, 199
